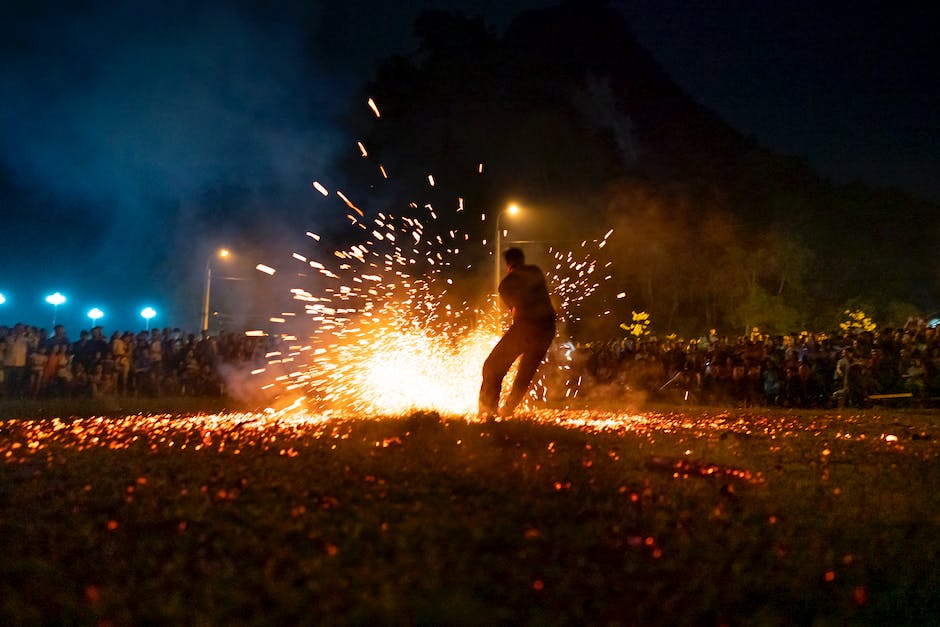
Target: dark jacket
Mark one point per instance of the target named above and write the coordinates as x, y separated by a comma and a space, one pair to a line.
525, 292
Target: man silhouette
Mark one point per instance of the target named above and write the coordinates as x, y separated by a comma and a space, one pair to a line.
524, 291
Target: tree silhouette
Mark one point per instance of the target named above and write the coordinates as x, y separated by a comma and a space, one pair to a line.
566, 111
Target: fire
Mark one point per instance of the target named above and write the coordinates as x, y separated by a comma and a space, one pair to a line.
403, 371
385, 336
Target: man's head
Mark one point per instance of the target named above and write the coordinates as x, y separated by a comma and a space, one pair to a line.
514, 257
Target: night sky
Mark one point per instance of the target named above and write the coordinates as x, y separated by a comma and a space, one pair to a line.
136, 137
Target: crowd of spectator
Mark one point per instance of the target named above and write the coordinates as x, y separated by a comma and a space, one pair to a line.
854, 368
795, 370
158, 362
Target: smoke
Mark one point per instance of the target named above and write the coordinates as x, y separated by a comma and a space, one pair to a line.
146, 132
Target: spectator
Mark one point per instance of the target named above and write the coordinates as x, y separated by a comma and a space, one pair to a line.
15, 356
59, 338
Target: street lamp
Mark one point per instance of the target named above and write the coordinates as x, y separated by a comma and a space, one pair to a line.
148, 313
512, 210
95, 314
222, 253
55, 300
3, 299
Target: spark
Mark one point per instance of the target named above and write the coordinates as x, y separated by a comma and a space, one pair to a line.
349, 203
383, 338
374, 107
383, 332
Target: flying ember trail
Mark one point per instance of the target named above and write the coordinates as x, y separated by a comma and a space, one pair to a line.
387, 332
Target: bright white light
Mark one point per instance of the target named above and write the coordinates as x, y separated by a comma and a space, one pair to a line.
3, 299
55, 299
148, 312
94, 313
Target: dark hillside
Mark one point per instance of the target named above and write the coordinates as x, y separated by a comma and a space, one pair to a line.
568, 112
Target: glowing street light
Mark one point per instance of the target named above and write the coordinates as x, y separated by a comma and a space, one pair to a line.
95, 314
222, 253
512, 210
3, 299
55, 300
147, 313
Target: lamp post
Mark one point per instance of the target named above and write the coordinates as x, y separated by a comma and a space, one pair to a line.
222, 253
95, 314
147, 313
512, 210
55, 300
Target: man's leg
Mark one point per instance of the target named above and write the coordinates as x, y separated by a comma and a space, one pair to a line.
500, 359
537, 343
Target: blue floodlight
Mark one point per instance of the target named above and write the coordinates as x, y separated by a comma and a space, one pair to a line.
148, 313
55, 300
95, 314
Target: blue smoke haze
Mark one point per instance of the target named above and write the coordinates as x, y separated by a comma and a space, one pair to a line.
138, 136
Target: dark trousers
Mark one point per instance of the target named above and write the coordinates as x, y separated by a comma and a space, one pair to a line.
531, 341
15, 381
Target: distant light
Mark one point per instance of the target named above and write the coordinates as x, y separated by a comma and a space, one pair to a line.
513, 209
3, 299
266, 269
95, 314
55, 299
148, 312
224, 252
375, 108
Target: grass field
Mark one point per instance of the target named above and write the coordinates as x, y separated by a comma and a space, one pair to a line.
661, 517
